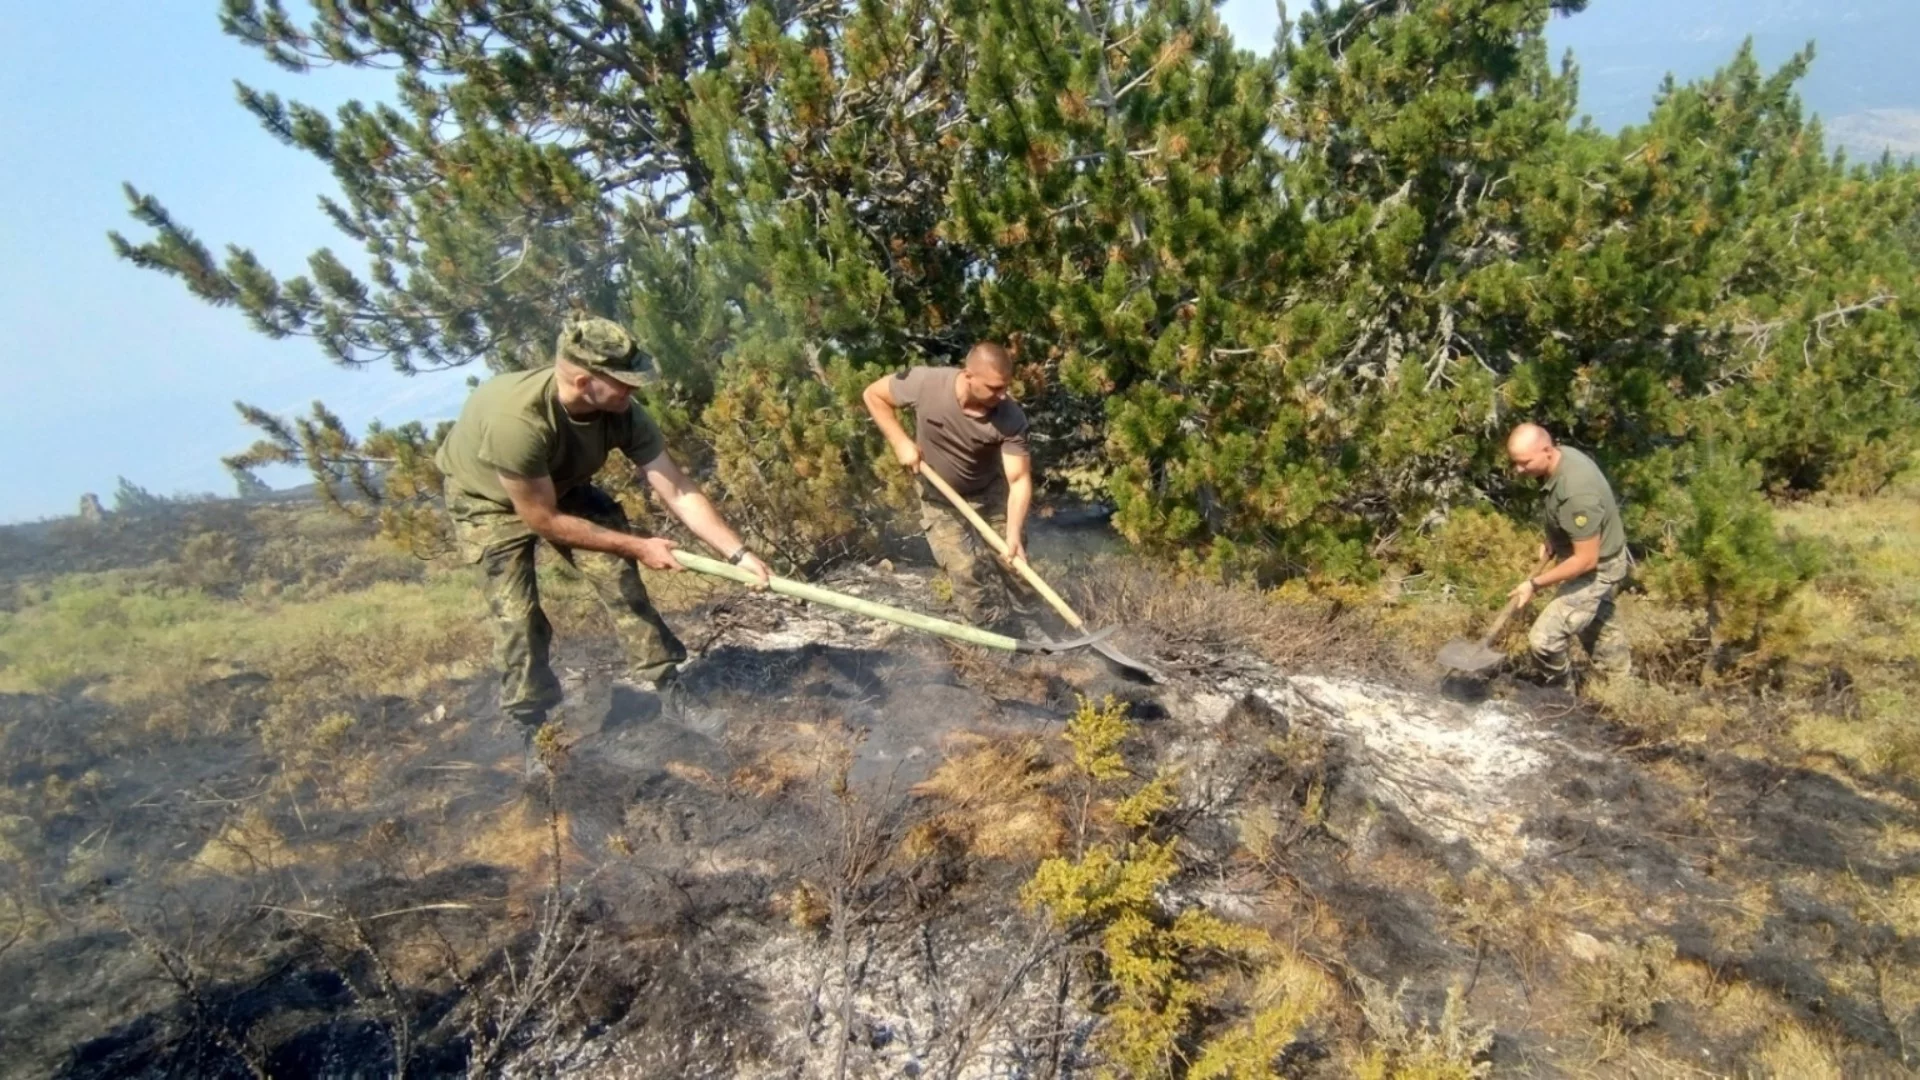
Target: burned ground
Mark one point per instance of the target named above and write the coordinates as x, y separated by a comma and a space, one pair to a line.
809, 860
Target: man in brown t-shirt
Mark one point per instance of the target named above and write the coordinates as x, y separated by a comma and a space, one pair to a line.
970, 432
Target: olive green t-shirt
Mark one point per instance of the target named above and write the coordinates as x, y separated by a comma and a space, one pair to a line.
513, 423
1580, 504
965, 450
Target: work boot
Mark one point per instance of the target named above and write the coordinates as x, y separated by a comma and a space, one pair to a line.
659, 686
653, 697
671, 689
527, 718
1540, 673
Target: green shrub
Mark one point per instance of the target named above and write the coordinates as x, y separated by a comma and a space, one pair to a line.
1157, 977
1478, 552
1721, 553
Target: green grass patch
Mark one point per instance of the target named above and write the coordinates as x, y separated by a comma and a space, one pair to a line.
133, 639
1867, 607
1863, 617
305, 598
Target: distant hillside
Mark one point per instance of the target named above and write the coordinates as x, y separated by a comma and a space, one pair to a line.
126, 539
1864, 83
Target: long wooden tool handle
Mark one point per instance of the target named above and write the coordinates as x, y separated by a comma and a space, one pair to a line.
816, 594
1000, 545
1512, 607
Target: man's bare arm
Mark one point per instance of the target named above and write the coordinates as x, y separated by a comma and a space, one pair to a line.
1586, 556
691, 505
1019, 470
535, 501
878, 398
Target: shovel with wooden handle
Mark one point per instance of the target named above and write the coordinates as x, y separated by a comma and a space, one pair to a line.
871, 609
999, 545
1479, 657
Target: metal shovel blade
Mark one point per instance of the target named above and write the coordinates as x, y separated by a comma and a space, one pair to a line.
1097, 640
1127, 663
1048, 645
1478, 657
1472, 657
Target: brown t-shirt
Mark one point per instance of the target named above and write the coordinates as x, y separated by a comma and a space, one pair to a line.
514, 424
964, 450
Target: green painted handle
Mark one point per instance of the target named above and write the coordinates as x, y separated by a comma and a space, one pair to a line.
816, 594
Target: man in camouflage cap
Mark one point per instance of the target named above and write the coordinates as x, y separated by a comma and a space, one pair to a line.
518, 465
1586, 537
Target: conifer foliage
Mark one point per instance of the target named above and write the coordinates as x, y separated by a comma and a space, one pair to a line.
1277, 305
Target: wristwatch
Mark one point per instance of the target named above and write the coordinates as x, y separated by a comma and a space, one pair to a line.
738, 554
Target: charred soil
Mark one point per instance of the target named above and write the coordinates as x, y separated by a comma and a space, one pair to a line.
825, 854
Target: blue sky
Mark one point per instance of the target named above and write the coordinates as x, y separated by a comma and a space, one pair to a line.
112, 371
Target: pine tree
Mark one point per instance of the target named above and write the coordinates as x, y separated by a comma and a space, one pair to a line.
1281, 307
754, 188
131, 498
1123, 183
816, 264
528, 143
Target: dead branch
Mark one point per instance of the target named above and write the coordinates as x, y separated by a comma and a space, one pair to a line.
392, 1006
369, 918
179, 969
560, 963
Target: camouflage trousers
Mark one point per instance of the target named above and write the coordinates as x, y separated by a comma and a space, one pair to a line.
1583, 608
504, 547
984, 590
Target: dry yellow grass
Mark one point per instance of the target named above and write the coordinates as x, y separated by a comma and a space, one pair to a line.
693, 774
1791, 1052
1295, 622
520, 838
136, 641
995, 800
1863, 616
1664, 714
1423, 626
794, 755
1723, 1007
1531, 923
805, 906
250, 844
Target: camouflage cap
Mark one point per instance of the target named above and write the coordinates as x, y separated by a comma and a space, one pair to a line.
604, 347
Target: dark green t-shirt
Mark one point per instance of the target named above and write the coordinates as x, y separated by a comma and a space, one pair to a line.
1580, 504
513, 423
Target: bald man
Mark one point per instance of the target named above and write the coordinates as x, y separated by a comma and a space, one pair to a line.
1589, 545
970, 432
